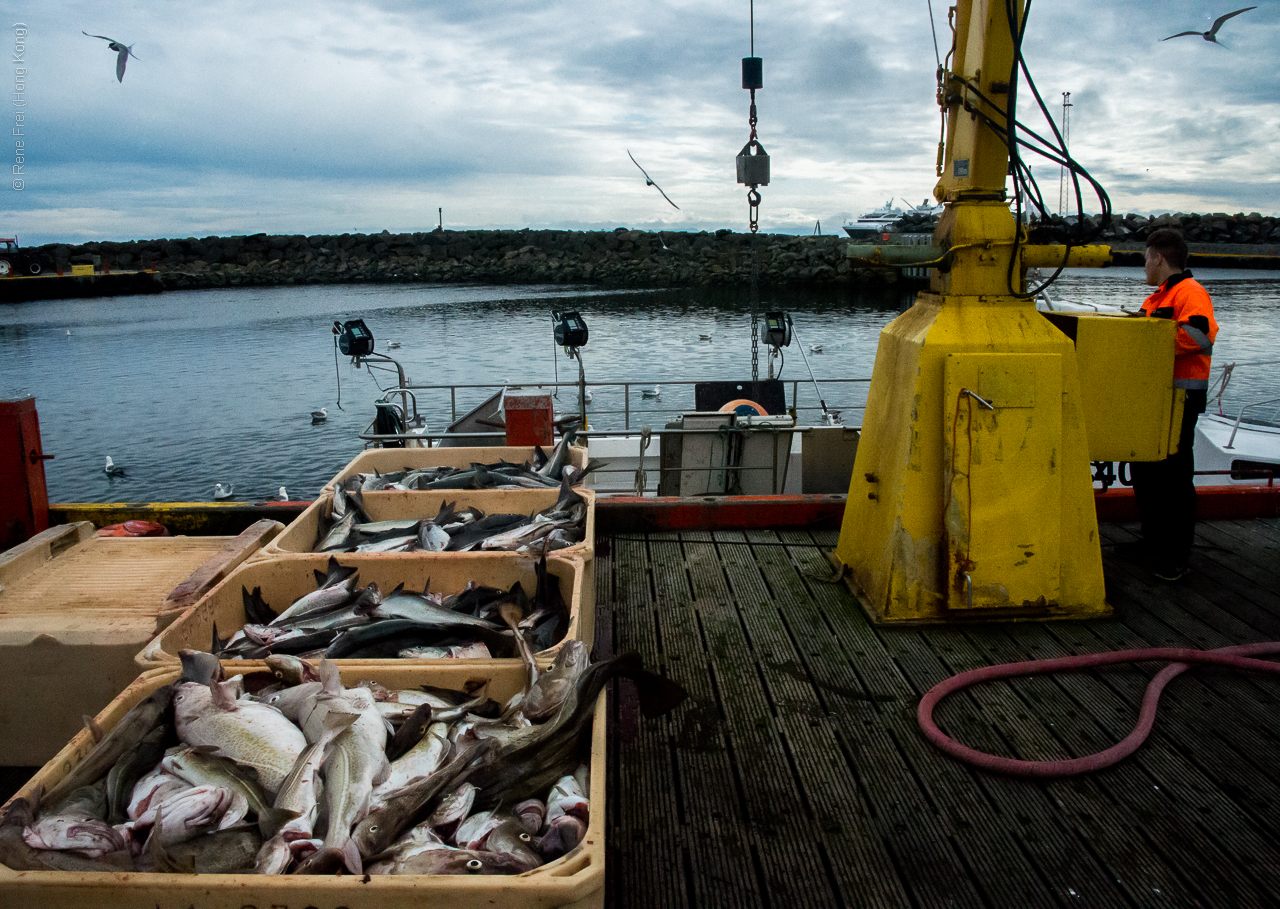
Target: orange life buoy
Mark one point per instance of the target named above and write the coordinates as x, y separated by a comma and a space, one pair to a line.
745, 407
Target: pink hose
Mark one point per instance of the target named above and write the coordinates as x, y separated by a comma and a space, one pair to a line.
1181, 659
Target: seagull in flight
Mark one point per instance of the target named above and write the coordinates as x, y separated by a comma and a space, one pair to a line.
1212, 34
123, 52
648, 181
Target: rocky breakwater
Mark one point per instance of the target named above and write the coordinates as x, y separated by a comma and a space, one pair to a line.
1202, 231
617, 258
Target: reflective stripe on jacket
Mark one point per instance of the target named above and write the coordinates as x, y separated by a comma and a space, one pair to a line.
1186, 302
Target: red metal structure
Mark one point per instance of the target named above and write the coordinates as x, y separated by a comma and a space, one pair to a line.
24, 499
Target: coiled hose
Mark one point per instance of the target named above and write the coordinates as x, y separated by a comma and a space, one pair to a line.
1237, 657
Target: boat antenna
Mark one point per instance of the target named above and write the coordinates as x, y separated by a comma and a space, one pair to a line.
753, 172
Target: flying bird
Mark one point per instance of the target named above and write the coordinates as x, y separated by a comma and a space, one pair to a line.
122, 52
648, 181
1212, 34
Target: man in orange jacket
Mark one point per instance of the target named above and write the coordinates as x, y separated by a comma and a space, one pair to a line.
1165, 490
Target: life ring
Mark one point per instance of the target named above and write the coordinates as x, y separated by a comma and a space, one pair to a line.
744, 407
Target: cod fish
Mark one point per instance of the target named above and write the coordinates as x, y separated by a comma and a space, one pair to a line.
15, 854
244, 731
197, 811
201, 767
356, 763
78, 825
221, 852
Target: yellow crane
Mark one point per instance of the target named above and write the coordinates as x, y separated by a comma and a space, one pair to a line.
972, 494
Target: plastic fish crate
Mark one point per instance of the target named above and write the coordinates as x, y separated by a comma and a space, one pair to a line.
303, 533
391, 460
573, 881
283, 580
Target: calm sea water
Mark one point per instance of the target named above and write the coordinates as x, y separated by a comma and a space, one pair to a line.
192, 388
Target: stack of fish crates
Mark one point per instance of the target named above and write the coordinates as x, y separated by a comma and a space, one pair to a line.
283, 572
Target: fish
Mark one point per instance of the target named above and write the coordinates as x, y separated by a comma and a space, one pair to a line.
533, 762
563, 834
567, 798
452, 810
246, 732
548, 692
356, 763
130, 767
411, 731
422, 759
78, 825
221, 852
15, 854
432, 538
383, 826
201, 766
256, 610
474, 831
441, 858
197, 811
318, 601
149, 792
515, 846
291, 670
123, 737
531, 813
299, 795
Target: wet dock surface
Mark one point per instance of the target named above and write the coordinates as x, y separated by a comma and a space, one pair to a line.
795, 774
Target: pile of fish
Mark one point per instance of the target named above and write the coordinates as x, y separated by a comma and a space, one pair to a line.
289, 771
342, 620
542, 473
453, 530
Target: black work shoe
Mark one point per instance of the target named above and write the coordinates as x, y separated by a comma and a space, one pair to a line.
1172, 573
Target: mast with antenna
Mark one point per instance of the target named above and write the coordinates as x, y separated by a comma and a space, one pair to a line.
1064, 198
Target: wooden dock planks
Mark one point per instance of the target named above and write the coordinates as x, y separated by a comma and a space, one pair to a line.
796, 774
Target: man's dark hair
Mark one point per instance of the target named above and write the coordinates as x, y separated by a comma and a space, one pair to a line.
1170, 245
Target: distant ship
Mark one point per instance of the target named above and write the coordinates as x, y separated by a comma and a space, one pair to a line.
876, 222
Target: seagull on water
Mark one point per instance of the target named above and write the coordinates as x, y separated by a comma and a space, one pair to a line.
281, 495
649, 182
704, 337
815, 348
122, 52
655, 392
586, 396
393, 345
112, 469
221, 492
319, 416
1212, 34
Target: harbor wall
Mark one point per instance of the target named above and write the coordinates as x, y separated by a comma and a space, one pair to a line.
618, 258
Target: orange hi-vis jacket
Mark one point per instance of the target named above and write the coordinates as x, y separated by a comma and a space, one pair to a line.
1186, 302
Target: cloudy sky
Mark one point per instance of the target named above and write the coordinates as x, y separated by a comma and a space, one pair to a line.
320, 117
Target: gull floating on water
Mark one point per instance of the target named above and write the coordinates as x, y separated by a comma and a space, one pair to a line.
655, 392
122, 53
649, 182
1212, 34
393, 345
319, 416
281, 495
221, 492
112, 469
704, 337
586, 396
815, 348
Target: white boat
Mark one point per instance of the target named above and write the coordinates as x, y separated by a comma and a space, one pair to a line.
1239, 450
879, 221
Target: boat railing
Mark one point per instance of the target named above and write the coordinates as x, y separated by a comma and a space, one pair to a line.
624, 403
1240, 416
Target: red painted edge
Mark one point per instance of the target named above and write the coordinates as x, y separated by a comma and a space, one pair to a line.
629, 514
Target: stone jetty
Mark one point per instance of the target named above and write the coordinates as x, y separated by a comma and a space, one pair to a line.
616, 258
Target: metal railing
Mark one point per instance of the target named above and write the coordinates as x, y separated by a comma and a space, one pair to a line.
627, 403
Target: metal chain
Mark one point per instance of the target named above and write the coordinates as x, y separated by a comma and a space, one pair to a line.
753, 217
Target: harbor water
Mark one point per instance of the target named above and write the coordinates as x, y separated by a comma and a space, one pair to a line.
188, 389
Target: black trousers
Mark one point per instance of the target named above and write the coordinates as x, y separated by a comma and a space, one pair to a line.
1166, 492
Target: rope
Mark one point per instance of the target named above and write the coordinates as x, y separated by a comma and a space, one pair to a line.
1237, 657
642, 476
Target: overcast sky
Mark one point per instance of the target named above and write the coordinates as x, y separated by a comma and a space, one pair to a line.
323, 117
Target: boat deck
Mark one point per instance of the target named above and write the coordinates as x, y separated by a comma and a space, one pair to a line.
795, 774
